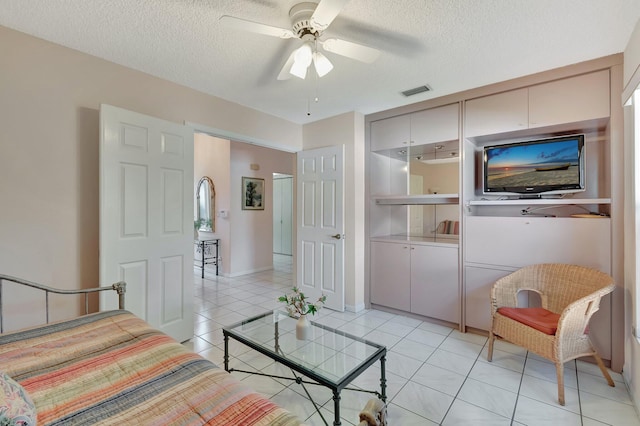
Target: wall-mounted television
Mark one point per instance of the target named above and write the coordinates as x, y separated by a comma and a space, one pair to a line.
544, 166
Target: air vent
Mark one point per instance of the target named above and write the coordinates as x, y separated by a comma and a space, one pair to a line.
416, 90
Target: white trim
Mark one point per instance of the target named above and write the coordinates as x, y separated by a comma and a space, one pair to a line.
236, 137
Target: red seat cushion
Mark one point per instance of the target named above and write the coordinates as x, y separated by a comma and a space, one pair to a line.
538, 318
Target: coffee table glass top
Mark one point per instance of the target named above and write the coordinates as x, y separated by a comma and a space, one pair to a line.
328, 355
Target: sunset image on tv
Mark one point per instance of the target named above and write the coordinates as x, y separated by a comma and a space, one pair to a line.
533, 165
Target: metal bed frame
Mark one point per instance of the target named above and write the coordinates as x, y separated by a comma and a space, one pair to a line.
119, 287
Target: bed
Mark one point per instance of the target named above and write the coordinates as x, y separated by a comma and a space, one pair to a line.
113, 368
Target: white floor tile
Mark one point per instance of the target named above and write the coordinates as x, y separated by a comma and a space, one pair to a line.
594, 370
463, 413
469, 337
547, 371
395, 328
608, 411
435, 328
439, 379
461, 347
598, 385
397, 415
547, 392
534, 413
426, 337
423, 401
504, 359
382, 338
370, 380
411, 322
450, 361
413, 349
402, 365
490, 398
497, 376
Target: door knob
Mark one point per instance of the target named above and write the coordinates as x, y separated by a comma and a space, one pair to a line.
337, 236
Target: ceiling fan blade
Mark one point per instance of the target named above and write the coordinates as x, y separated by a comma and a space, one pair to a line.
351, 50
326, 12
284, 72
255, 27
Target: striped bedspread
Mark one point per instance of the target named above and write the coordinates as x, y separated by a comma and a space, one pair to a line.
113, 368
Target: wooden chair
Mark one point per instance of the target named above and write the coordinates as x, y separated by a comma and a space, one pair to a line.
557, 331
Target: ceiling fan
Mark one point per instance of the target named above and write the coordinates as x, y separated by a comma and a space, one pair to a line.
309, 21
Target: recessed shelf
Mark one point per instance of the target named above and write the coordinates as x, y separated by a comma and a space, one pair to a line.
416, 199
540, 201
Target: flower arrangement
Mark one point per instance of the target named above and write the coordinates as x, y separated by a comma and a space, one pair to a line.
297, 303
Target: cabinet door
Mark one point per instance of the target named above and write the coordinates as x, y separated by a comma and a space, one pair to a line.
478, 282
390, 275
521, 241
502, 112
390, 133
434, 282
573, 99
435, 125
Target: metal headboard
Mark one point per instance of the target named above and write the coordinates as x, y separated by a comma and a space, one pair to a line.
119, 287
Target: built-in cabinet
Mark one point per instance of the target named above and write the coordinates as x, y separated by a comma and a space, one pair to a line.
575, 99
414, 268
421, 278
420, 128
415, 212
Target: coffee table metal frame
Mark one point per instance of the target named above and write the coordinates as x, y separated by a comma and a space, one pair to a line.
279, 356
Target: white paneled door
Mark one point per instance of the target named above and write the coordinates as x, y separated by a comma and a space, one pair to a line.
146, 217
320, 241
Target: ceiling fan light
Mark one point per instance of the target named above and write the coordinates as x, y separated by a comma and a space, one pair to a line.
299, 70
304, 55
322, 64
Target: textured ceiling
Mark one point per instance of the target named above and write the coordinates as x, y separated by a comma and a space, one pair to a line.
450, 45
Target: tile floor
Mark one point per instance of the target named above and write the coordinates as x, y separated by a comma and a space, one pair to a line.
435, 375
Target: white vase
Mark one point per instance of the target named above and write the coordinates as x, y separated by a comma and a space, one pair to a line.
303, 328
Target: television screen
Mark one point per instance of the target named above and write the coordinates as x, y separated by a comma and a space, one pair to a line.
533, 167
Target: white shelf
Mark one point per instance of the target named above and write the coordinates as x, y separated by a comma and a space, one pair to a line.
540, 201
416, 199
436, 239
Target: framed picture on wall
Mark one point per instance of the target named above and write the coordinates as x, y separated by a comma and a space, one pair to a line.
252, 193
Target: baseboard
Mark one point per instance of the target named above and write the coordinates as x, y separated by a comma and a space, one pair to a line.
251, 271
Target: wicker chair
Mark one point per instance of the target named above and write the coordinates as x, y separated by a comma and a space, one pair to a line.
573, 292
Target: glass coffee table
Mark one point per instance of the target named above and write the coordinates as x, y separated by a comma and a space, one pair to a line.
329, 357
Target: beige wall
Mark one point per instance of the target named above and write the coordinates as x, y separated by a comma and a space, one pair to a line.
251, 242
49, 133
348, 130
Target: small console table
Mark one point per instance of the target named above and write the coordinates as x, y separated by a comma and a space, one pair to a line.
205, 252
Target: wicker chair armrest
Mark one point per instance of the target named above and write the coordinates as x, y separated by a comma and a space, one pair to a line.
574, 319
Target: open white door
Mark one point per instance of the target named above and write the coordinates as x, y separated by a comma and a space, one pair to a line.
146, 217
320, 189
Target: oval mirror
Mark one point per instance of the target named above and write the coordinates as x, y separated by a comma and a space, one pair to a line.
206, 205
